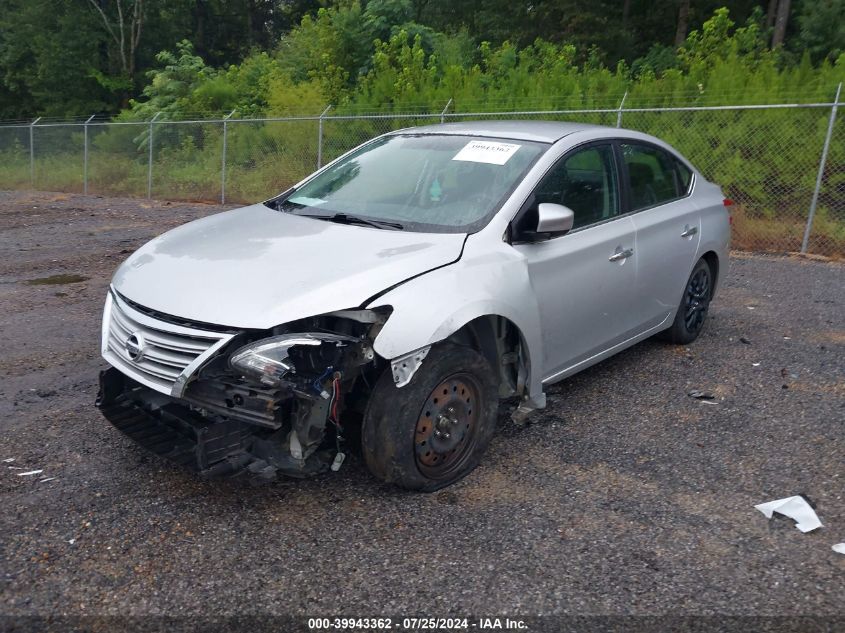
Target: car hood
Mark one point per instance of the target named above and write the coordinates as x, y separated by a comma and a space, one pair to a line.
257, 268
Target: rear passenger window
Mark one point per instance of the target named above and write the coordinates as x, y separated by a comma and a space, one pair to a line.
654, 179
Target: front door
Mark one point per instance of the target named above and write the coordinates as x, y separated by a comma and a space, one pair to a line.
584, 280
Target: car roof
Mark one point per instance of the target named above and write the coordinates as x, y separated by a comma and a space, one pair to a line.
542, 131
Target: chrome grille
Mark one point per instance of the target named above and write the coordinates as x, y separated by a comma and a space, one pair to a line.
167, 355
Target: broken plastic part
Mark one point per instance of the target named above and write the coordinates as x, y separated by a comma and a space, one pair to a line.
526, 407
30, 472
701, 395
404, 367
295, 446
520, 415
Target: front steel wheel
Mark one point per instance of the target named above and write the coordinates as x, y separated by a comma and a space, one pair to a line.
446, 430
433, 431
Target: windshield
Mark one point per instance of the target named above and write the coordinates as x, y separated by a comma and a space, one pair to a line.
417, 182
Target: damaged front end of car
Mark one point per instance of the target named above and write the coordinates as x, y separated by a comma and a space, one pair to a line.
223, 402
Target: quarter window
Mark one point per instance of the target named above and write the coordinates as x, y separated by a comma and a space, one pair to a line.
685, 175
586, 183
652, 175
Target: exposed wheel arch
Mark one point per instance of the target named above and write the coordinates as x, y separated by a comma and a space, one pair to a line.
502, 344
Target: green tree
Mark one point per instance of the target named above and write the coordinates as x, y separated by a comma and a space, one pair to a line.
175, 89
50, 60
822, 24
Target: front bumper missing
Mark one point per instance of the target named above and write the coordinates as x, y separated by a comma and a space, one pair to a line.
212, 448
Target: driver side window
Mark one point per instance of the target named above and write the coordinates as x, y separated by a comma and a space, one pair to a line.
586, 182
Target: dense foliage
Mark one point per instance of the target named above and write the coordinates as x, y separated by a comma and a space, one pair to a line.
78, 57
189, 59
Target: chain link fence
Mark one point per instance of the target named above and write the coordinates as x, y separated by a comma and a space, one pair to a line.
782, 165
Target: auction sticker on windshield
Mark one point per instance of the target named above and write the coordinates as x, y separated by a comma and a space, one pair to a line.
487, 152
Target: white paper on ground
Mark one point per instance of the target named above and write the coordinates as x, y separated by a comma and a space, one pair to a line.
796, 508
487, 152
839, 548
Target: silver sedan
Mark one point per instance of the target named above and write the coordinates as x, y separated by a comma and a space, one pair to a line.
384, 305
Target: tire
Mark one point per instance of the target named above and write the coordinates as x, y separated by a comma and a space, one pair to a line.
692, 311
433, 431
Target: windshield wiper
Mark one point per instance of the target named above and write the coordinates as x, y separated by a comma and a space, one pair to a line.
345, 218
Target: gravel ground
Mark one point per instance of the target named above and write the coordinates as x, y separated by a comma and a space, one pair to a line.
625, 496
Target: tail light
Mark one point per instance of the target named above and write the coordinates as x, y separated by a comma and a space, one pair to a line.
729, 203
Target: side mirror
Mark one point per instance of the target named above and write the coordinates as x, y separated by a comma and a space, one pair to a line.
554, 218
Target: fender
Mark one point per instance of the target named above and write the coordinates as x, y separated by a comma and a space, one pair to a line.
430, 308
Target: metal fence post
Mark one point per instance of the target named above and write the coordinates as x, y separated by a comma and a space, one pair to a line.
32, 152
814, 202
150, 159
85, 156
223, 167
619, 110
320, 138
446, 109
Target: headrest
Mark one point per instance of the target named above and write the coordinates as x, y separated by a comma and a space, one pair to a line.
641, 174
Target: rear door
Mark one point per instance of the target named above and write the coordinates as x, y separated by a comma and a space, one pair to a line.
668, 227
585, 280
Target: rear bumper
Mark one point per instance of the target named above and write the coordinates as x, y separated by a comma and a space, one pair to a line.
208, 447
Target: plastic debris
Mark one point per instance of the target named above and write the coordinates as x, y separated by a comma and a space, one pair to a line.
9, 459
796, 508
701, 395
839, 548
47, 479
704, 397
744, 340
29, 472
755, 364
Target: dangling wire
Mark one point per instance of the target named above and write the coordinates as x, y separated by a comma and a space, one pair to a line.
334, 418
334, 402
318, 383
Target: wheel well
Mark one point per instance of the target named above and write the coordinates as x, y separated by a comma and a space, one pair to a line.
713, 261
499, 340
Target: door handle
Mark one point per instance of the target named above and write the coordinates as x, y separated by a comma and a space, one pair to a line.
620, 255
689, 231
